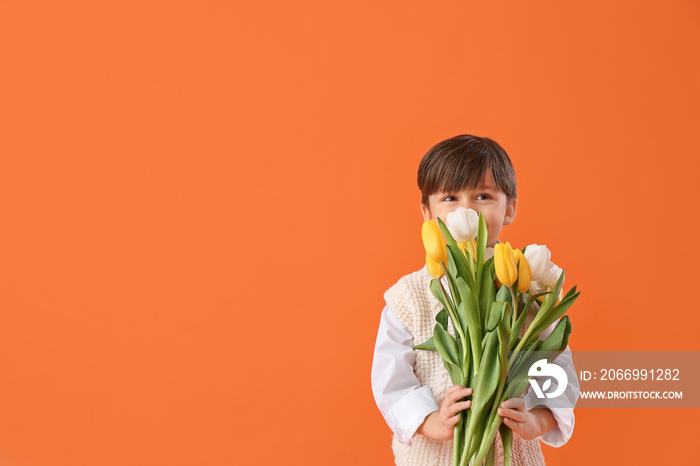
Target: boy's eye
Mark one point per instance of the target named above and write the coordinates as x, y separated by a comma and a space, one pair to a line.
449, 198
484, 196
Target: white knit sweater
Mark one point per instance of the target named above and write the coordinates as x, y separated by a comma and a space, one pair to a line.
414, 304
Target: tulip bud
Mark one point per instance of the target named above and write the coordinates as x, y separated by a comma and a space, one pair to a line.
434, 242
488, 253
550, 277
523, 271
434, 269
538, 257
504, 260
463, 224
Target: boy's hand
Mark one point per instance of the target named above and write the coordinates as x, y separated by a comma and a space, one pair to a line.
527, 424
439, 425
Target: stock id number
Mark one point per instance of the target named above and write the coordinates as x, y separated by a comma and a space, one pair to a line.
639, 374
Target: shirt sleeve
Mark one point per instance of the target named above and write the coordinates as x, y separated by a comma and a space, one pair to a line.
565, 418
401, 399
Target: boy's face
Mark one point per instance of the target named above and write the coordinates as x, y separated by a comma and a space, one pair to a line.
485, 199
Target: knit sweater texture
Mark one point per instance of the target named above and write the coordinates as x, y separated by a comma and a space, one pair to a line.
411, 300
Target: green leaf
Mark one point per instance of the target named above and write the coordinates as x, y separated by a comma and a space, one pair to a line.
517, 357
506, 320
503, 295
455, 372
567, 333
570, 292
487, 294
442, 317
495, 316
428, 345
552, 298
458, 262
554, 340
461, 259
555, 313
481, 240
515, 340
503, 329
467, 367
520, 322
437, 292
446, 232
469, 311
446, 345
470, 306
485, 382
451, 263
543, 318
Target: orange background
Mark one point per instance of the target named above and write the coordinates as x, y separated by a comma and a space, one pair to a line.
204, 202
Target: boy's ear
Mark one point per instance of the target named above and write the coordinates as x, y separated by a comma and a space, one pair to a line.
426, 212
511, 207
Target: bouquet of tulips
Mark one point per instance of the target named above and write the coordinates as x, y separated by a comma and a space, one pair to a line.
478, 331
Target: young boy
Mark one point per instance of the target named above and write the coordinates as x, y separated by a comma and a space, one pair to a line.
412, 388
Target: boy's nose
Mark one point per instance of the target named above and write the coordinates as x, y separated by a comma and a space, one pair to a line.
467, 204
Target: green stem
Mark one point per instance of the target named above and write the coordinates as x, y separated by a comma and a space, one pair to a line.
467, 451
491, 456
452, 290
489, 436
453, 313
493, 421
515, 306
507, 439
459, 445
524, 340
455, 443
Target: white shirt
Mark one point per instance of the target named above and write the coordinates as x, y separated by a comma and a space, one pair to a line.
404, 403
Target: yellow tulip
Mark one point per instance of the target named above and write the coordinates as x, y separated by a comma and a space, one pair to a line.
504, 260
434, 242
434, 269
465, 245
524, 276
469, 246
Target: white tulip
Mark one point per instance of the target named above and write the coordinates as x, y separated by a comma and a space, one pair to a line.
488, 253
538, 258
536, 286
551, 276
463, 224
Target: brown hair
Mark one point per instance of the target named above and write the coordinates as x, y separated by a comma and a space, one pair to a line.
462, 162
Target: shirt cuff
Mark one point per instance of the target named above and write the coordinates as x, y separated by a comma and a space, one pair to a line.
409, 412
565, 427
